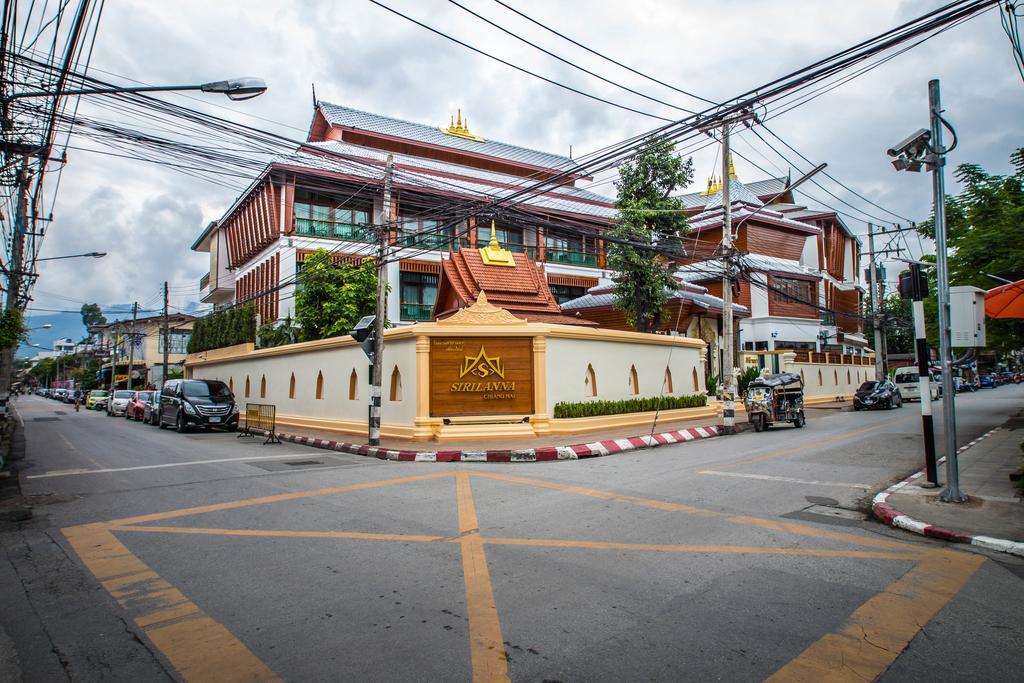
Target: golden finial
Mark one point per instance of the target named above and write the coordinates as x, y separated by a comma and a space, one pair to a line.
493, 242
493, 254
732, 169
459, 127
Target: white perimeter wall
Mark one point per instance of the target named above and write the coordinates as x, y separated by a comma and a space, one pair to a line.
336, 365
567, 361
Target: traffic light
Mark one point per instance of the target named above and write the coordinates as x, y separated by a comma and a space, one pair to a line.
913, 284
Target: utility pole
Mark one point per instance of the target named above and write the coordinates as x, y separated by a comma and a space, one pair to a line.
377, 369
728, 376
113, 368
876, 322
952, 493
918, 290
16, 269
131, 347
163, 378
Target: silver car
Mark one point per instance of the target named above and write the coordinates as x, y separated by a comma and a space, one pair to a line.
119, 402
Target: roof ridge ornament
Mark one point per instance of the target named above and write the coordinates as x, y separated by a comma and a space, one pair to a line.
494, 254
482, 313
459, 128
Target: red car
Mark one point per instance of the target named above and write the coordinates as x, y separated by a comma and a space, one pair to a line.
136, 407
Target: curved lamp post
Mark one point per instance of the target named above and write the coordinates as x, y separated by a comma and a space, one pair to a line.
236, 89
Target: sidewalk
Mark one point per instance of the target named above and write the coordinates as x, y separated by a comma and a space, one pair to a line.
993, 517
570, 447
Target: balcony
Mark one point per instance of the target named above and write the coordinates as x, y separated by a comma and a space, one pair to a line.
411, 311
204, 281
221, 292
334, 229
571, 257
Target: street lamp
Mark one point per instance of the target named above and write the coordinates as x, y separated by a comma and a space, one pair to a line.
236, 89
91, 254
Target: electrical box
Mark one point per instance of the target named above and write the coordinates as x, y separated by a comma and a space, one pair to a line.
967, 316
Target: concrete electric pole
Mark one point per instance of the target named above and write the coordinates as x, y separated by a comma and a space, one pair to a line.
131, 348
876, 321
728, 376
377, 369
163, 377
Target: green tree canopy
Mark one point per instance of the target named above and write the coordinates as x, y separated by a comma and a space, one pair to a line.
649, 216
985, 235
331, 298
92, 315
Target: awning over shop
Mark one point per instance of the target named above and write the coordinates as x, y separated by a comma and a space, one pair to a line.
1006, 301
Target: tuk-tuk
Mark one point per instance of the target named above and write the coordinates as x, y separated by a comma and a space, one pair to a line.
775, 398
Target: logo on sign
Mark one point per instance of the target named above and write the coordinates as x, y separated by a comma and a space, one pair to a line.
482, 366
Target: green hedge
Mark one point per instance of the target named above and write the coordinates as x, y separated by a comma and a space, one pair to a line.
227, 328
632, 405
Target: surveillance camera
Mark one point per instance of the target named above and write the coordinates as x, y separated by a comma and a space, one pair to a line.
914, 146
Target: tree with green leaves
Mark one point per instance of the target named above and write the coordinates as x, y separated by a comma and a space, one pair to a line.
898, 322
92, 315
985, 236
650, 220
331, 298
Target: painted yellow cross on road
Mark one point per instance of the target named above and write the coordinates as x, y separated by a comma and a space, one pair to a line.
201, 649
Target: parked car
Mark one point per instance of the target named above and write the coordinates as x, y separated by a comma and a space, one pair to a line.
197, 402
987, 382
94, 398
906, 380
118, 403
882, 394
137, 406
151, 410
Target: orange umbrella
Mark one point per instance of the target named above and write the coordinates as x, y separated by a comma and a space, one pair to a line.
1006, 301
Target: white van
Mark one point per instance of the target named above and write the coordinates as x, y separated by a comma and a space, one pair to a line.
906, 380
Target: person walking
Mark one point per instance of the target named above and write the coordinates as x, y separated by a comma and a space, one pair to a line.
78, 399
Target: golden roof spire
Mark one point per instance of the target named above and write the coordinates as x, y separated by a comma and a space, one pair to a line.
732, 169
459, 127
493, 254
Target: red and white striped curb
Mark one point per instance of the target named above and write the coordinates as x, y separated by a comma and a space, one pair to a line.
577, 452
893, 517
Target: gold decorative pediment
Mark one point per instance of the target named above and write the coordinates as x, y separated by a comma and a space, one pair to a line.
482, 313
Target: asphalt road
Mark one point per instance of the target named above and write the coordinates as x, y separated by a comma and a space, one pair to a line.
154, 555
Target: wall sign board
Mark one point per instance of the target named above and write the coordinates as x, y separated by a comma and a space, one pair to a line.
481, 376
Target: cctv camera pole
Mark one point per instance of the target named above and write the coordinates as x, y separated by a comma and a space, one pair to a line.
383, 235
918, 291
952, 493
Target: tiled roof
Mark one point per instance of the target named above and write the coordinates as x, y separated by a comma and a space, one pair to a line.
521, 290
385, 125
604, 296
712, 218
738, 192
712, 269
365, 162
765, 189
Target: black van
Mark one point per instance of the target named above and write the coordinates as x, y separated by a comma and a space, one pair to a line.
197, 402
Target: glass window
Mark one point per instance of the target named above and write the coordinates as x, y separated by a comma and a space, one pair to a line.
205, 389
563, 293
177, 342
419, 293
791, 290
424, 233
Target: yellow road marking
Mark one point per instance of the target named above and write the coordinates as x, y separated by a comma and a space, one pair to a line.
730, 549
820, 442
199, 648
248, 502
273, 533
487, 649
880, 629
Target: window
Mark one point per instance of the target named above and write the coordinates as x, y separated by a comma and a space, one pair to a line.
791, 290
323, 216
291, 386
590, 381
696, 381
353, 386
177, 341
567, 249
247, 387
424, 233
821, 382
263, 386
320, 386
419, 292
667, 383
835, 377
634, 381
509, 238
563, 293
396, 385
231, 384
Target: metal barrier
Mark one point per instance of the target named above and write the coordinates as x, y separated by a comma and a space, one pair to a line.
260, 418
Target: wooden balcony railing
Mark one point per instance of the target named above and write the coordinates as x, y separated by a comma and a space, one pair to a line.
414, 311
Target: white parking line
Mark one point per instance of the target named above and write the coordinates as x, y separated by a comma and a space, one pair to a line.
68, 473
791, 480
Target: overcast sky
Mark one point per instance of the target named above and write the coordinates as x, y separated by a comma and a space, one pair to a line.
361, 56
